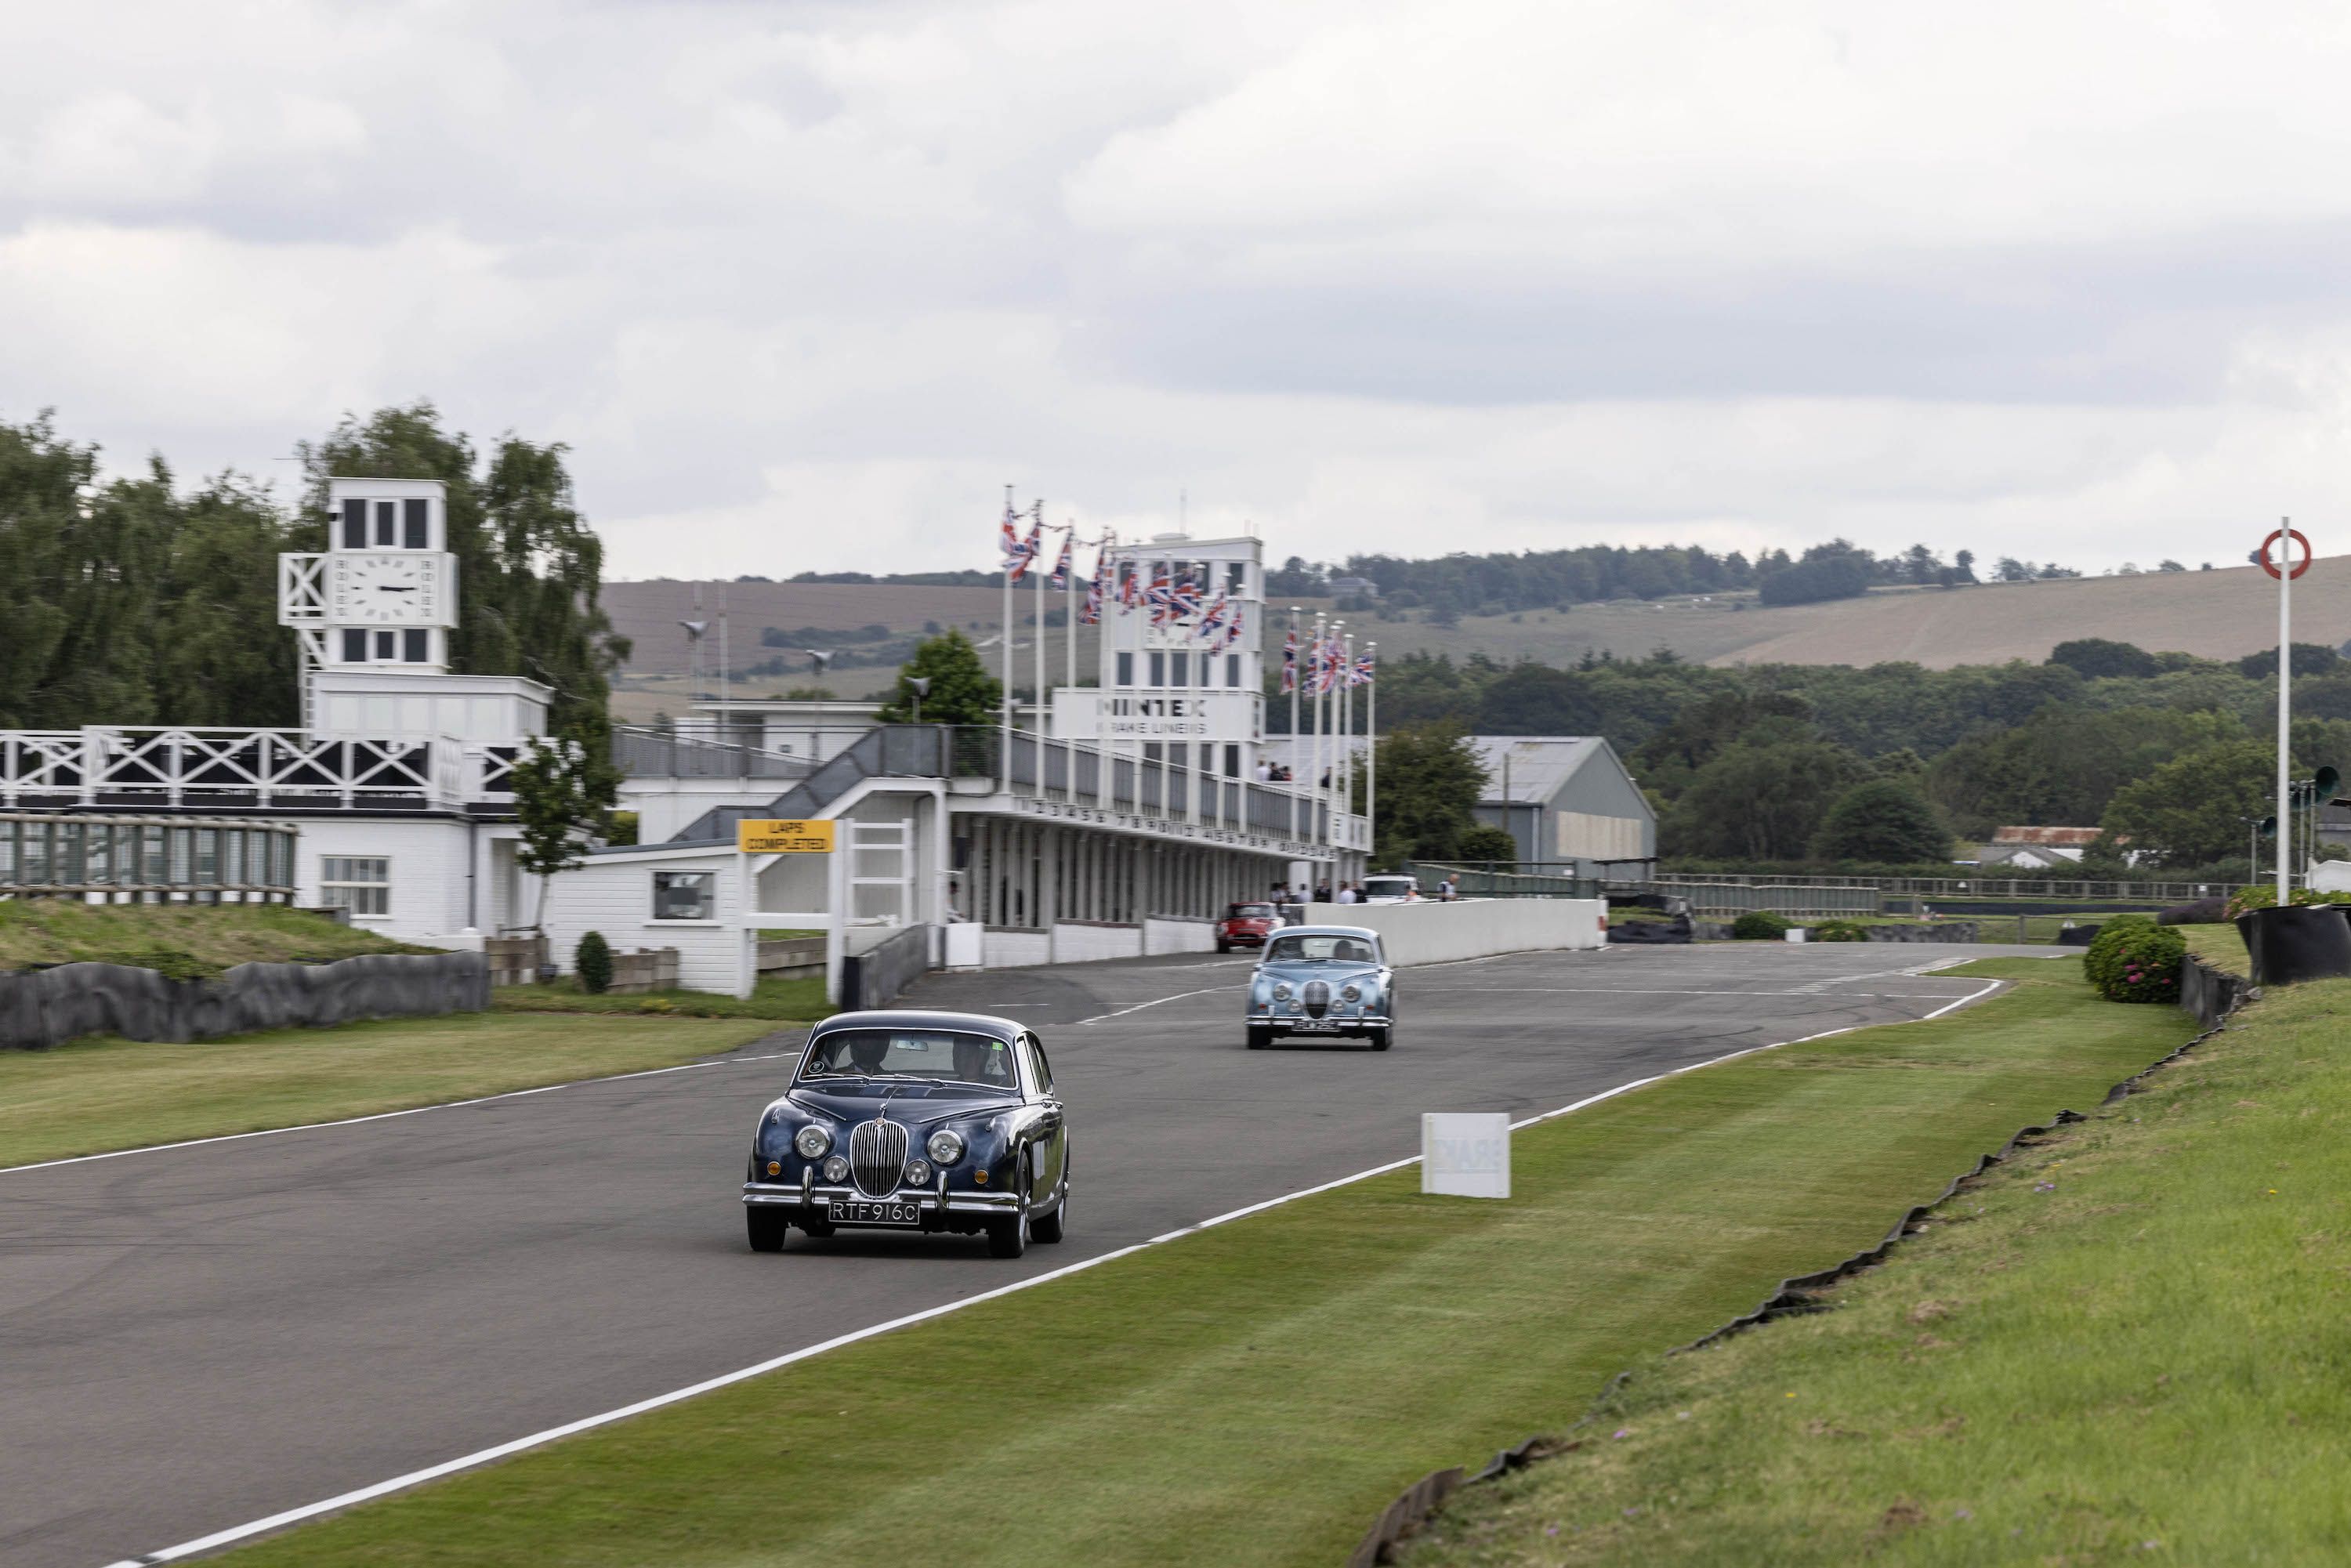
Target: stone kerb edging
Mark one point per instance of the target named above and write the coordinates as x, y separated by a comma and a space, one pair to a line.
1794, 1294
45, 1008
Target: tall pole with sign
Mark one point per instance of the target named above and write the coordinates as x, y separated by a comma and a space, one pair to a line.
2284, 569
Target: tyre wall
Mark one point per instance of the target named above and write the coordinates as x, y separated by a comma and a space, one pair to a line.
42, 1007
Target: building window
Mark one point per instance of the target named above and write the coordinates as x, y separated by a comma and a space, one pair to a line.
1233, 671
684, 896
413, 531
1158, 668
354, 647
1179, 669
1237, 577
417, 646
355, 525
387, 523
384, 645
1232, 761
361, 884
1126, 670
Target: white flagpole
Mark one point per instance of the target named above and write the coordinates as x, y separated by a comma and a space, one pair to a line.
1004, 725
1289, 663
1372, 753
1347, 727
1036, 742
2286, 705
1069, 629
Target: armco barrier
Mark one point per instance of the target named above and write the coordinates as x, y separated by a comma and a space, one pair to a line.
42, 1007
875, 977
1435, 932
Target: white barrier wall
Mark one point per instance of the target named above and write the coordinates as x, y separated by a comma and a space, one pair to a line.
1434, 933
1169, 936
1085, 941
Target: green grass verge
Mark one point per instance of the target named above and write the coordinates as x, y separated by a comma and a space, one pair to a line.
2222, 946
780, 1001
2127, 1342
186, 939
1258, 1392
104, 1094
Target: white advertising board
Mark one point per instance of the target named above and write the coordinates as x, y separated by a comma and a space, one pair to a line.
1466, 1153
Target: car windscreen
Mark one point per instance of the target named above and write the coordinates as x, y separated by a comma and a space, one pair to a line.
940, 1055
1299, 948
1252, 911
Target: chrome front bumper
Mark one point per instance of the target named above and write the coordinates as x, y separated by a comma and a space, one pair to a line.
1344, 1020
930, 1199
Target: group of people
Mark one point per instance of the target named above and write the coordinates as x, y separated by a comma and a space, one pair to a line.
1271, 772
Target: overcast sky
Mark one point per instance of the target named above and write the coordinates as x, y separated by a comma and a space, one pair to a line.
804, 285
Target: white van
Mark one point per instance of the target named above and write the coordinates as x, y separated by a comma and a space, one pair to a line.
1391, 888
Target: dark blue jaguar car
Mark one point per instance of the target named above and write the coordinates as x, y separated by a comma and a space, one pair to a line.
913, 1121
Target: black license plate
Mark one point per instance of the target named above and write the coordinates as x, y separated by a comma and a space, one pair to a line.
856, 1211
1314, 1026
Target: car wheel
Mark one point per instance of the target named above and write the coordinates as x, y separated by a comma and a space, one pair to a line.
1049, 1229
1259, 1037
767, 1227
1224, 946
1384, 1037
1009, 1238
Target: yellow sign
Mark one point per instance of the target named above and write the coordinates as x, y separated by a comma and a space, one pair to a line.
768, 836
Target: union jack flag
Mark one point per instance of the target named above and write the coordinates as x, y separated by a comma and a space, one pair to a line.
1162, 597
1366, 670
1232, 629
1018, 552
1089, 608
1213, 623
1061, 577
1130, 584
1289, 662
1187, 594
1328, 656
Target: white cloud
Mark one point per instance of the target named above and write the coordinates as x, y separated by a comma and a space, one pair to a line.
808, 283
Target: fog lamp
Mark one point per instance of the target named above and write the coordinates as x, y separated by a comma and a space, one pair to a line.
917, 1172
836, 1169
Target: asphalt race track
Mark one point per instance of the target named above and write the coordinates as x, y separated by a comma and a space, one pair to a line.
194, 1338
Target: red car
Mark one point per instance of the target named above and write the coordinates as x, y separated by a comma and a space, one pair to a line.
1246, 926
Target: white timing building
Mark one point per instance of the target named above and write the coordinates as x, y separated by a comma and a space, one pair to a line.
1120, 824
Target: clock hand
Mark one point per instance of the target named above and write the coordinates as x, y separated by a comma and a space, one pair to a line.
387, 588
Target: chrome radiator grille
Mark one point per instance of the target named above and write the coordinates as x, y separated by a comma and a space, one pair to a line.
877, 1156
1318, 997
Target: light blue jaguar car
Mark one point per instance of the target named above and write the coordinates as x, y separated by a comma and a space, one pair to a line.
1322, 980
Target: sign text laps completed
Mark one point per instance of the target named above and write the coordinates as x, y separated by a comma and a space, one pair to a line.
775, 836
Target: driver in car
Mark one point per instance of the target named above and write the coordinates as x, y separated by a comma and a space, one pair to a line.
867, 1051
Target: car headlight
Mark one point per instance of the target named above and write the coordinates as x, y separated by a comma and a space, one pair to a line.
918, 1172
836, 1170
1352, 994
945, 1147
1282, 993
812, 1141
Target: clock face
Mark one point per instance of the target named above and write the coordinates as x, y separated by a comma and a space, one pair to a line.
383, 590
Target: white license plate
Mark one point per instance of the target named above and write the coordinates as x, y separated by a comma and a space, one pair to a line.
1314, 1026
856, 1211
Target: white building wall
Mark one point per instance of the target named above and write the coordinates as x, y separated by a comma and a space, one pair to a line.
614, 893
428, 871
664, 806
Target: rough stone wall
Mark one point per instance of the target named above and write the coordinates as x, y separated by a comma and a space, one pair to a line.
42, 1007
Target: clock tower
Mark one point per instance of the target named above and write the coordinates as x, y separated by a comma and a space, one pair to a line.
384, 594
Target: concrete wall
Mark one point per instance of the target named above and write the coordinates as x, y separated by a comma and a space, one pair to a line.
1168, 936
1434, 933
1083, 942
43, 1008
1003, 949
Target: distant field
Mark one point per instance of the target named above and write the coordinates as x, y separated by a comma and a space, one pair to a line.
2224, 613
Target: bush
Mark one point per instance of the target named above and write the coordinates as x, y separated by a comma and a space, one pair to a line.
1840, 930
2133, 960
2263, 895
1759, 925
592, 962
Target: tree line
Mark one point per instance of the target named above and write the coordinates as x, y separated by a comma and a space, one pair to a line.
133, 601
1794, 766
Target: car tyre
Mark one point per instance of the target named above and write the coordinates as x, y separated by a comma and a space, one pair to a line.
1259, 1037
1384, 1037
1009, 1238
767, 1227
1049, 1229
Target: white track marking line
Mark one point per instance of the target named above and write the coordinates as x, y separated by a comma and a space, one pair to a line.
388, 1115
1204, 991
588, 1423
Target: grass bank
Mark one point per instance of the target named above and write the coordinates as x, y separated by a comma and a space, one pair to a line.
185, 938
2127, 1343
778, 1001
102, 1093
2220, 945
1258, 1392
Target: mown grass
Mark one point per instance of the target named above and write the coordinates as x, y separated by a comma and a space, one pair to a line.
2222, 946
104, 1094
185, 937
780, 1001
1257, 1393
2125, 1344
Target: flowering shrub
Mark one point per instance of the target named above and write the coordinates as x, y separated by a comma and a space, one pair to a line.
2133, 960
1759, 926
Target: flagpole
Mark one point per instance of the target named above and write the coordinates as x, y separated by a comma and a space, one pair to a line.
1290, 664
1372, 750
1347, 727
1037, 614
1069, 627
1004, 723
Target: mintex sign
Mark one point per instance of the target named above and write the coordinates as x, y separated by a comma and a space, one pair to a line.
1466, 1153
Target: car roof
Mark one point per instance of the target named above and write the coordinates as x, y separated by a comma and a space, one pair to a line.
909, 1018
1330, 931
